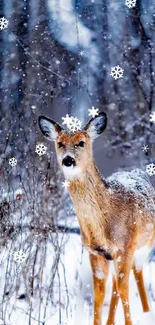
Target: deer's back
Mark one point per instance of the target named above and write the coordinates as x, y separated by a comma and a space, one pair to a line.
135, 185
132, 203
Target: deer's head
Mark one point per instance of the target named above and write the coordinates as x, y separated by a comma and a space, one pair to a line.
74, 149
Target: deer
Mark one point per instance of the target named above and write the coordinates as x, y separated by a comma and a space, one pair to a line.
116, 215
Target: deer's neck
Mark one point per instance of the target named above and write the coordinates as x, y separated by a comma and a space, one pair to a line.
90, 197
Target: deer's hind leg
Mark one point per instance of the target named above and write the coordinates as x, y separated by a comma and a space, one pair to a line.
141, 288
138, 272
100, 270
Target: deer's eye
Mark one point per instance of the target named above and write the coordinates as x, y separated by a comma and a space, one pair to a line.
81, 144
60, 144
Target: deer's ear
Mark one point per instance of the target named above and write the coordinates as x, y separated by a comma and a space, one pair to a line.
49, 128
96, 125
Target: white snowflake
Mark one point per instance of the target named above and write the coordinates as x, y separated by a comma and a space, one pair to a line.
65, 184
152, 117
121, 275
115, 248
33, 108
117, 72
88, 286
145, 148
150, 169
93, 111
125, 303
130, 3
73, 123
3, 23
81, 53
40, 149
19, 257
119, 258
13, 162
67, 120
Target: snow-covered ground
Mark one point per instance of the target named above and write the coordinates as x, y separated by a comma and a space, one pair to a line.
73, 295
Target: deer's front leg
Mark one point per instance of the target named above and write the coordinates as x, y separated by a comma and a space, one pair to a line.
141, 288
113, 303
100, 268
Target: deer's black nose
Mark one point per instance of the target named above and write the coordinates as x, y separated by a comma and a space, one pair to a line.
68, 161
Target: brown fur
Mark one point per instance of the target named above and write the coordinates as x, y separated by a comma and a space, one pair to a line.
106, 221
111, 219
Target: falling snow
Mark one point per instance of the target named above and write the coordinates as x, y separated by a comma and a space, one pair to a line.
126, 303
150, 169
152, 117
130, 3
3, 23
88, 286
93, 111
73, 123
13, 162
145, 148
121, 275
81, 53
65, 184
67, 120
117, 72
19, 257
40, 149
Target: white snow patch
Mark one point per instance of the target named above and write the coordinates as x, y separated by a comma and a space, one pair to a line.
141, 256
110, 190
112, 268
146, 319
130, 180
80, 275
137, 183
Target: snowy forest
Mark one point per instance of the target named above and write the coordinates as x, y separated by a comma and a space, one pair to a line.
56, 58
